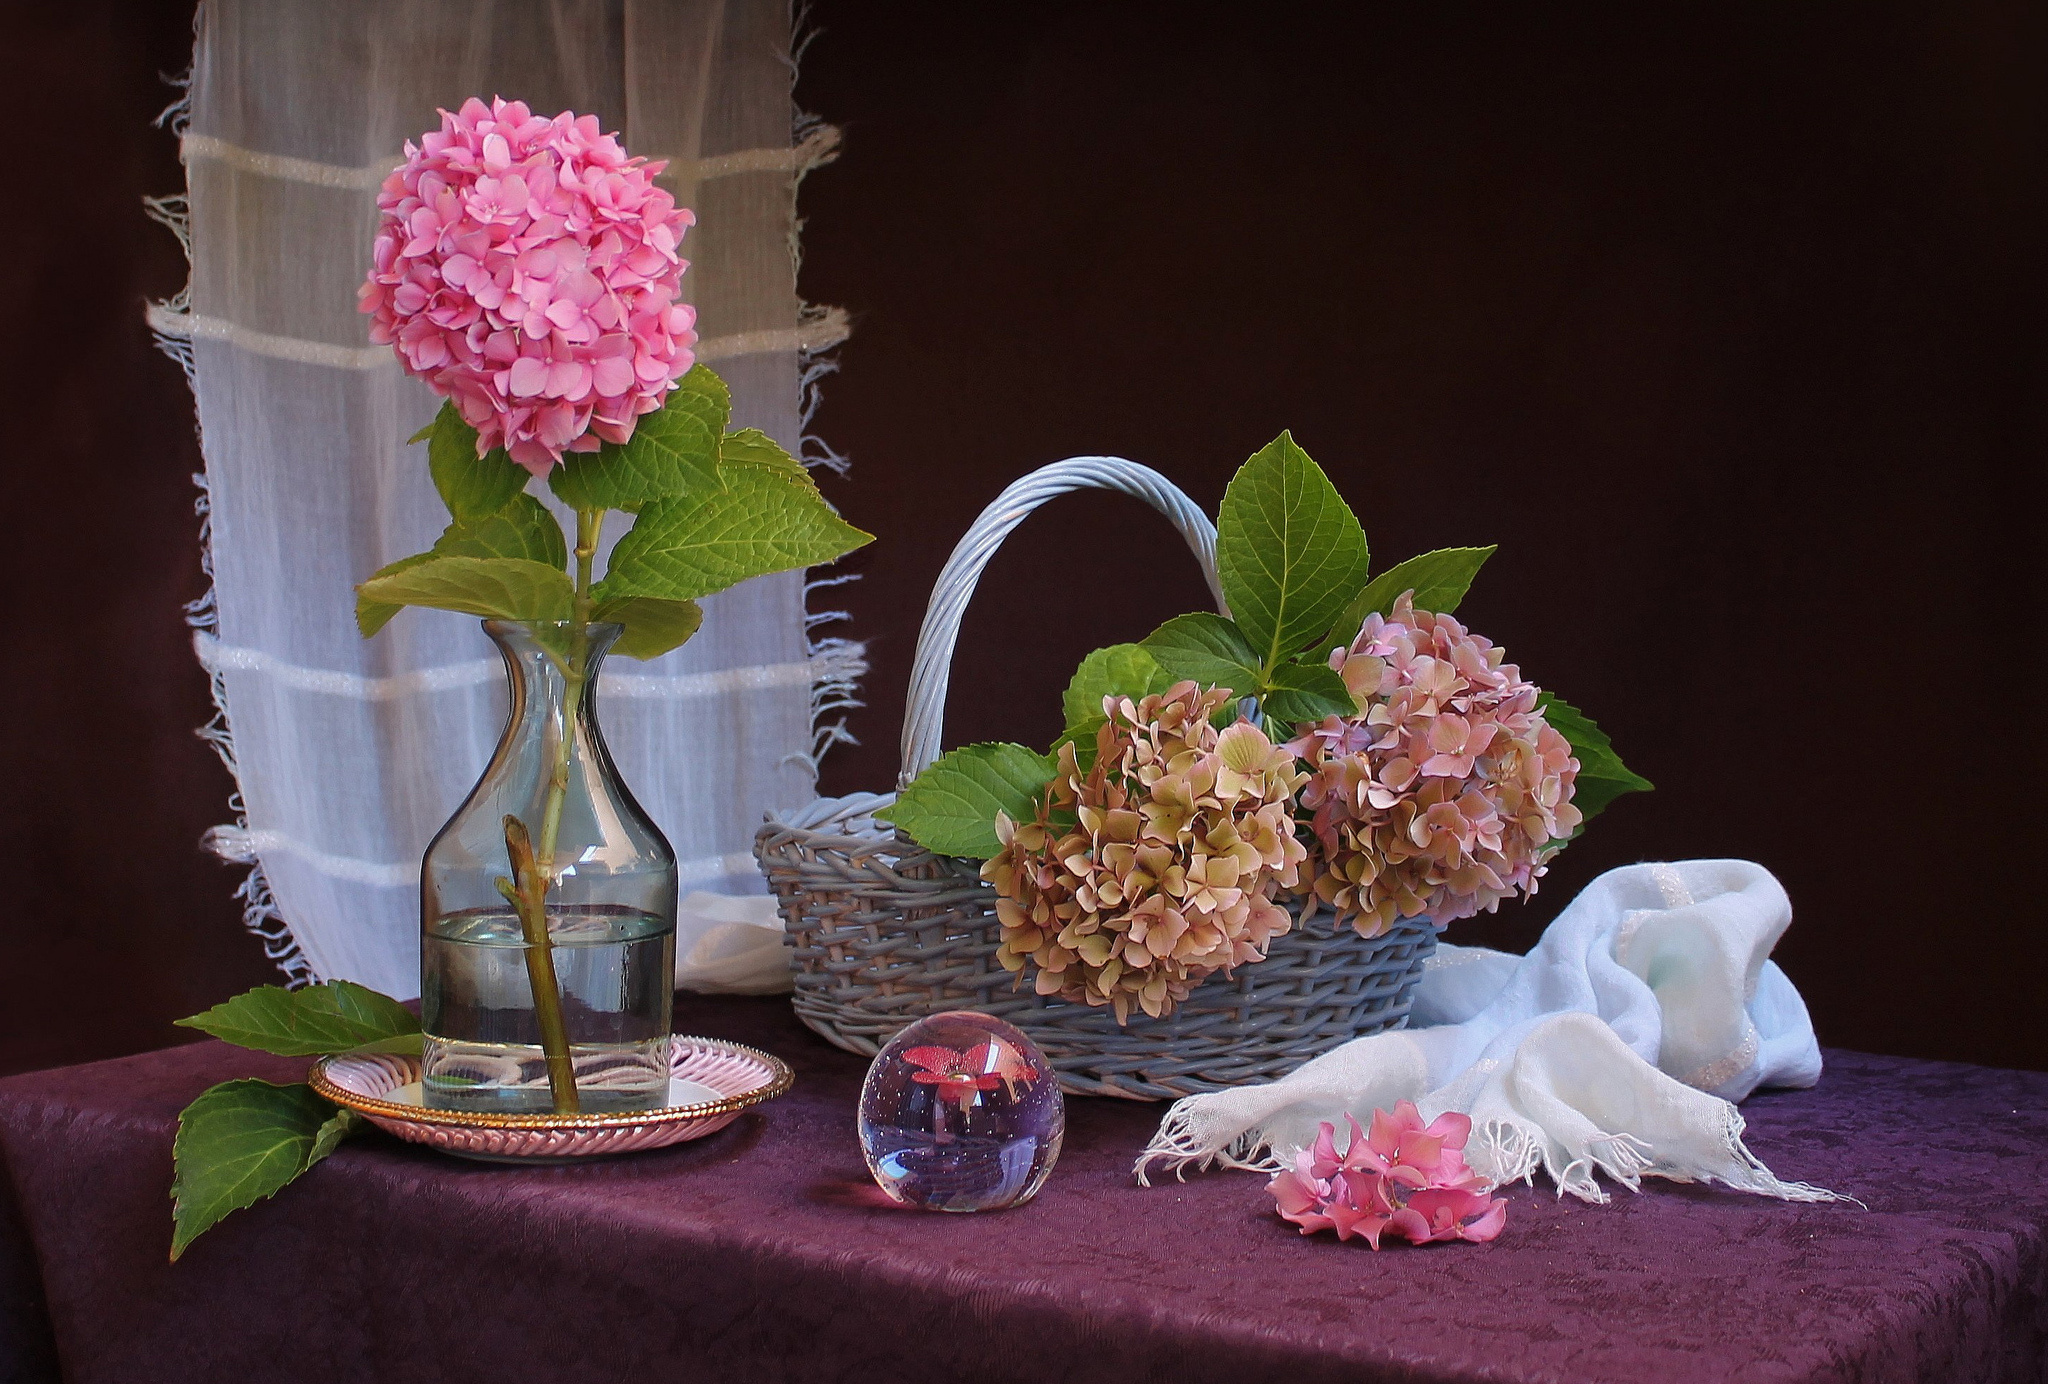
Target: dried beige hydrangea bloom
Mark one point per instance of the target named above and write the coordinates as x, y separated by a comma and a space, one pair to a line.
1156, 866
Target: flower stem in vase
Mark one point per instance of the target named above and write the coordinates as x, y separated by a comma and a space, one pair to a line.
534, 871
528, 892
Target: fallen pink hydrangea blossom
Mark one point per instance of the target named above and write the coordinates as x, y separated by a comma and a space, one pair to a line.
526, 268
1402, 1179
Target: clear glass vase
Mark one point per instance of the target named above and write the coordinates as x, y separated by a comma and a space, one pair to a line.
548, 909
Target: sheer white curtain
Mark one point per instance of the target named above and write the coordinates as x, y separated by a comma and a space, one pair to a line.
350, 753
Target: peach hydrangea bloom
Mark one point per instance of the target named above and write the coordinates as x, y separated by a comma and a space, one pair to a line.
1447, 791
526, 268
1404, 1179
1159, 864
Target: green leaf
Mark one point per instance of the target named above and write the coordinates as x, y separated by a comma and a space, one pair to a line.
951, 807
241, 1141
1303, 691
690, 546
653, 626
1081, 735
498, 588
1439, 581
1602, 776
1121, 670
1206, 648
673, 451
522, 529
342, 1124
471, 486
1289, 552
752, 447
372, 616
339, 1016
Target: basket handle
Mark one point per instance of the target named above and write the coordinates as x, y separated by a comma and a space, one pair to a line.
931, 672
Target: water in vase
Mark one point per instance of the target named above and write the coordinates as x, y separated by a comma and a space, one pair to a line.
615, 968
551, 825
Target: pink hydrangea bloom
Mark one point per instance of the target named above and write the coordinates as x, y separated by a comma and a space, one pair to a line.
1447, 790
1402, 1179
527, 269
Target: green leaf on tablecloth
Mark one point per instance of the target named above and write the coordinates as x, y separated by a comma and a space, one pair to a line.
470, 485
1602, 776
673, 451
239, 1142
1290, 554
338, 1127
1305, 690
689, 546
1439, 581
1206, 648
495, 588
339, 1016
951, 807
653, 626
522, 529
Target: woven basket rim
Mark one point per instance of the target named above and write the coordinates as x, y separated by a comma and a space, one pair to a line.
887, 932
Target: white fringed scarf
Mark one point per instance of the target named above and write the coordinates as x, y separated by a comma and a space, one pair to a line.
1617, 1045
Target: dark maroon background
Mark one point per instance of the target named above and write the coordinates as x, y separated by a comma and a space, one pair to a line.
117, 922
1726, 321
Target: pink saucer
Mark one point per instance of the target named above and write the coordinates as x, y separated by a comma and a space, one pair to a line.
715, 1080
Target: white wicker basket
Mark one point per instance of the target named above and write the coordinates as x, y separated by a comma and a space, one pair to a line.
885, 932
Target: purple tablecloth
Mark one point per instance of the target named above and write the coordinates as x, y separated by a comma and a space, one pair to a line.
763, 1254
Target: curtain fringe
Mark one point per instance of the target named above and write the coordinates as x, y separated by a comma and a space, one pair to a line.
839, 663
260, 914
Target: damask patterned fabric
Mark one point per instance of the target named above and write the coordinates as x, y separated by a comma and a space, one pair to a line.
765, 1253
350, 753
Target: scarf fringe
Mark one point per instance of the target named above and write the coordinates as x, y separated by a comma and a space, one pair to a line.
1502, 1151
1176, 1147
1750, 1174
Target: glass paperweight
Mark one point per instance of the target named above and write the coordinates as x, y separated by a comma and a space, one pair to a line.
961, 1112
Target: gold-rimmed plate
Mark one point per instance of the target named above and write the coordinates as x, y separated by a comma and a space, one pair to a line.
710, 1082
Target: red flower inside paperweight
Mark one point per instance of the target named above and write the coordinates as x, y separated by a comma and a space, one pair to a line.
961, 1112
